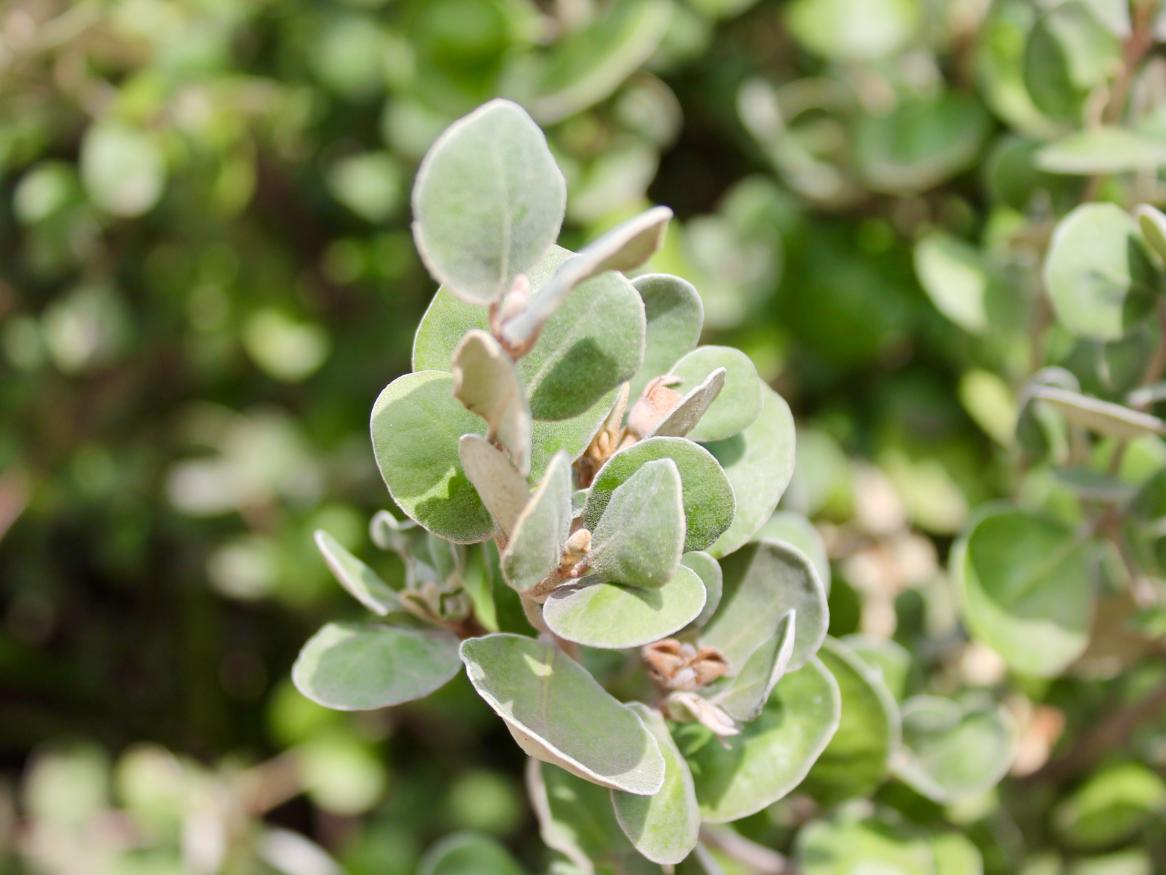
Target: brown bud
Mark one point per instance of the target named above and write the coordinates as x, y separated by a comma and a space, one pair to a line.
679, 666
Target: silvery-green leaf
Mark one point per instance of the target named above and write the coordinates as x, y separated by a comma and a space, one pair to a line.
389, 533
1153, 227
951, 751
623, 248
416, 425
1113, 805
502, 489
665, 827
741, 775
1098, 273
705, 491
759, 463
540, 691
571, 436
797, 531
691, 408
956, 279
1069, 53
362, 583
845, 31
591, 344
1104, 149
488, 201
709, 571
360, 666
675, 317
857, 759
639, 538
762, 583
1095, 414
738, 403
1027, 589
486, 382
888, 658
848, 845
614, 617
467, 853
745, 695
541, 530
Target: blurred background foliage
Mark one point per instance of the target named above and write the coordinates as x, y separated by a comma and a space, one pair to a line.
207, 274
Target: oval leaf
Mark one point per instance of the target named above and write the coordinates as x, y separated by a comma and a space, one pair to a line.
709, 571
541, 531
486, 382
362, 583
797, 531
1103, 417
691, 408
746, 694
502, 489
467, 853
738, 403
675, 317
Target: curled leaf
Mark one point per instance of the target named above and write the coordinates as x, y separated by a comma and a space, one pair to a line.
502, 489
486, 382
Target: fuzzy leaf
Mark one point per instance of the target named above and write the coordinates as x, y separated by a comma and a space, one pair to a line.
705, 491
745, 695
571, 436
360, 666
467, 853
691, 408
738, 403
1152, 224
416, 425
486, 382
1103, 417
763, 582
488, 201
362, 583
614, 617
502, 489
541, 530
549, 697
759, 463
797, 531
741, 775
709, 571
665, 827
675, 316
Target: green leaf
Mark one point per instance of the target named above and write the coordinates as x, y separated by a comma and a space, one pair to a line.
1027, 589
362, 583
416, 426
541, 530
849, 845
488, 202
1069, 53
797, 531
739, 402
1152, 224
612, 616
574, 723
368, 183
741, 775
502, 489
360, 666
639, 538
705, 491
1102, 150
571, 436
486, 382
887, 658
762, 583
691, 408
759, 463
123, 169
709, 571
955, 854
674, 315
665, 827
1098, 273
745, 695
857, 759
467, 853
1103, 417
957, 280
950, 751
845, 31
1111, 807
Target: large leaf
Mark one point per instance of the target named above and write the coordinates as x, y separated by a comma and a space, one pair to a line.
571, 436
359, 666
665, 827
612, 616
952, 751
362, 583
488, 201
1112, 806
639, 538
738, 403
486, 382
502, 489
745, 695
846, 31
549, 697
797, 531
416, 426
675, 316
857, 759
1098, 273
541, 531
759, 463
762, 583
705, 491
467, 853
741, 775
1027, 589
849, 845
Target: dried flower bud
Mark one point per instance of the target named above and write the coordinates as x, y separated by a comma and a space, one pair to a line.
680, 666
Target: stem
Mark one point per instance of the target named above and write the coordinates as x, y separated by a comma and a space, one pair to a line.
1140, 40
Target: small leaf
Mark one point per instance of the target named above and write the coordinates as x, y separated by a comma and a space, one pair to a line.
887, 658
416, 425
797, 531
615, 617
571, 436
955, 854
362, 583
674, 315
665, 827
1068, 55
360, 666
845, 31
485, 381
123, 169
639, 538
759, 463
952, 751
957, 280
502, 489
741, 775
1111, 807
738, 403
1100, 150
1153, 227
541, 530
488, 201
709, 572
1098, 273
548, 696
1103, 417
467, 853
745, 695
848, 845
690, 409
705, 491
764, 582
